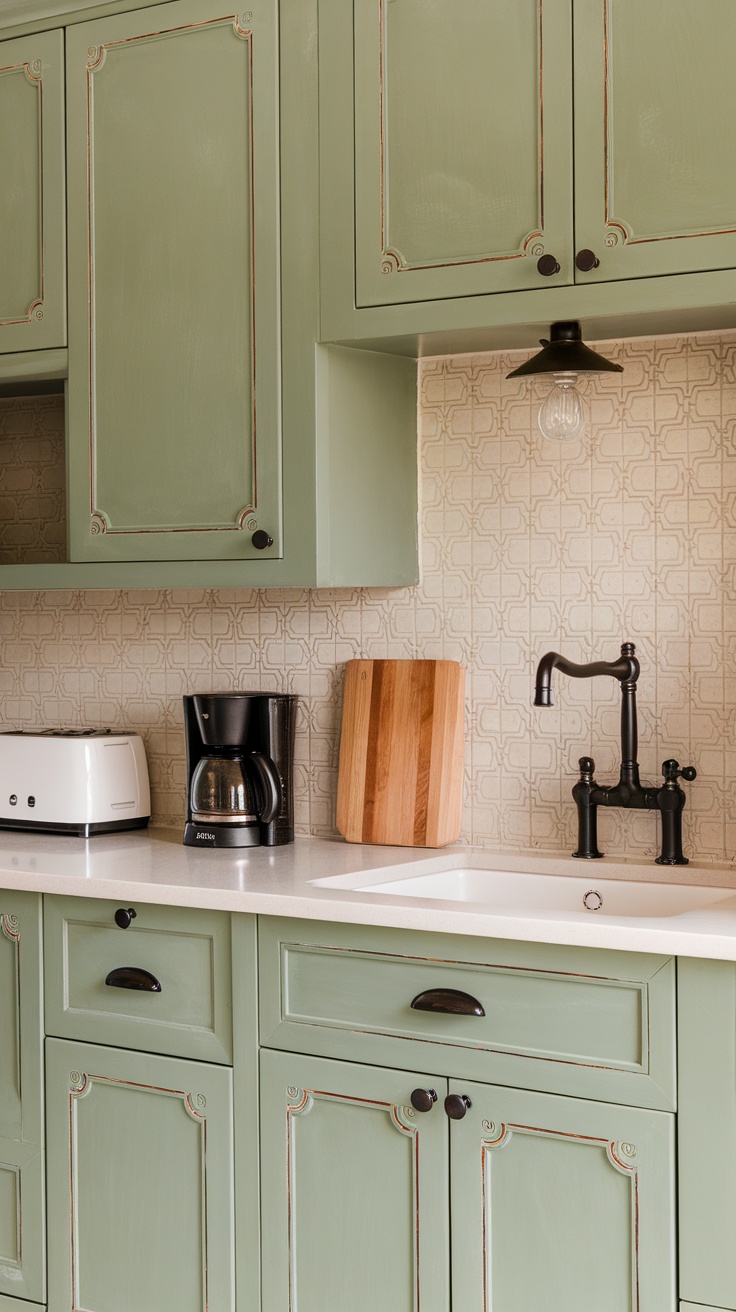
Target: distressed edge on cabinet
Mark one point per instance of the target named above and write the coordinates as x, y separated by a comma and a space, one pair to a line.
706, 992
654, 1089
246, 1104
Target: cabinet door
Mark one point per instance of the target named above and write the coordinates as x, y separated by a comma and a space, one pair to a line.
463, 117
174, 401
355, 1189
22, 1255
140, 1148
706, 1023
561, 1204
32, 229
655, 97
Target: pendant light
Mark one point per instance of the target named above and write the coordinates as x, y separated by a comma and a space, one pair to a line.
565, 356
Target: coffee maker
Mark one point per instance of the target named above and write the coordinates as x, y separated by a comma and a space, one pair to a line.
240, 769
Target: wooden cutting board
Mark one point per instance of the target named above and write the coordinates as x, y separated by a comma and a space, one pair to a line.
401, 753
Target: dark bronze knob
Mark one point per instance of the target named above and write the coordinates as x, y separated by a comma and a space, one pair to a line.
688, 773
456, 1105
423, 1100
261, 539
123, 917
586, 260
547, 265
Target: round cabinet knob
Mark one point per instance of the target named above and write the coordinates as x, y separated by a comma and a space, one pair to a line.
547, 265
456, 1105
586, 260
423, 1100
261, 539
123, 917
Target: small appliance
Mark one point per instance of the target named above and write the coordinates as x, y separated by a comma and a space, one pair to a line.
240, 769
73, 781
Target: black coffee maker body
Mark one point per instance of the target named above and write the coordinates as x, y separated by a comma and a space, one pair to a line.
240, 769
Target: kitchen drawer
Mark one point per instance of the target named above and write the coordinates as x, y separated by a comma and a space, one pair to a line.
588, 1022
186, 950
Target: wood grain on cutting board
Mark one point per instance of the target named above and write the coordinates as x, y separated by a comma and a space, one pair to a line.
401, 753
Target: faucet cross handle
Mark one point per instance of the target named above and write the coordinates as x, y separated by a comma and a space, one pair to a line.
672, 772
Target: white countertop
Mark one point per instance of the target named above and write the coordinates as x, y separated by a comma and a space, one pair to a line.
154, 866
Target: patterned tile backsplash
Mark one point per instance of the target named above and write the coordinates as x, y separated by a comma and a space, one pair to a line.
526, 546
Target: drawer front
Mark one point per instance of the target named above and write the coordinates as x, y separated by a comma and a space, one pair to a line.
592, 1023
186, 951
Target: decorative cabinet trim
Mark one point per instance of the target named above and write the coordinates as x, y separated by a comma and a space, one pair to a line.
618, 231
100, 522
82, 1085
392, 260
621, 1156
32, 70
301, 1103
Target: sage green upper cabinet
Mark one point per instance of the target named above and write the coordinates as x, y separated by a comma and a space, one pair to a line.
22, 1249
174, 395
655, 184
487, 168
463, 146
32, 229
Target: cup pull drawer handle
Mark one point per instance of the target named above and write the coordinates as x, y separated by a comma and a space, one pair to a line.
133, 977
450, 1001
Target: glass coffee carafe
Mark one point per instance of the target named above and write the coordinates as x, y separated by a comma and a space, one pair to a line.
234, 788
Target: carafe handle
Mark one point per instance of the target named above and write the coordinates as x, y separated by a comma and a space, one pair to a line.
270, 785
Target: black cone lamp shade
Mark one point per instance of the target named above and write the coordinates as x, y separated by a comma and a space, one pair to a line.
562, 416
565, 353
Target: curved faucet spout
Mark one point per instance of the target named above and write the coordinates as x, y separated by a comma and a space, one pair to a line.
629, 792
625, 669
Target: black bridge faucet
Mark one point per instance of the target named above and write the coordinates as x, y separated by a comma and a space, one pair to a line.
629, 792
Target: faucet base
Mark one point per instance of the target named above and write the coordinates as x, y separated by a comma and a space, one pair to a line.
671, 861
589, 856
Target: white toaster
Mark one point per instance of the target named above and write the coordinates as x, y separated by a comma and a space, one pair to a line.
73, 781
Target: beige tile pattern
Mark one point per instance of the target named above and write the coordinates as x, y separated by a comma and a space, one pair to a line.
32, 510
526, 546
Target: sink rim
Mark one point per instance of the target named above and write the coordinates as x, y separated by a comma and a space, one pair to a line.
381, 882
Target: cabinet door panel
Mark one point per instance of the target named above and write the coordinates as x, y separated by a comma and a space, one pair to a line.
655, 186
32, 227
174, 411
22, 1254
706, 1023
355, 1189
142, 1147
561, 1204
462, 146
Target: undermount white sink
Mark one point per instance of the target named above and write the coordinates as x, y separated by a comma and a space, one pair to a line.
512, 893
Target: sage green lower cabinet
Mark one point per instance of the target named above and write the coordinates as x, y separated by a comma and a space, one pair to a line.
707, 1131
552, 1202
354, 1189
560, 1204
22, 1250
141, 1149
